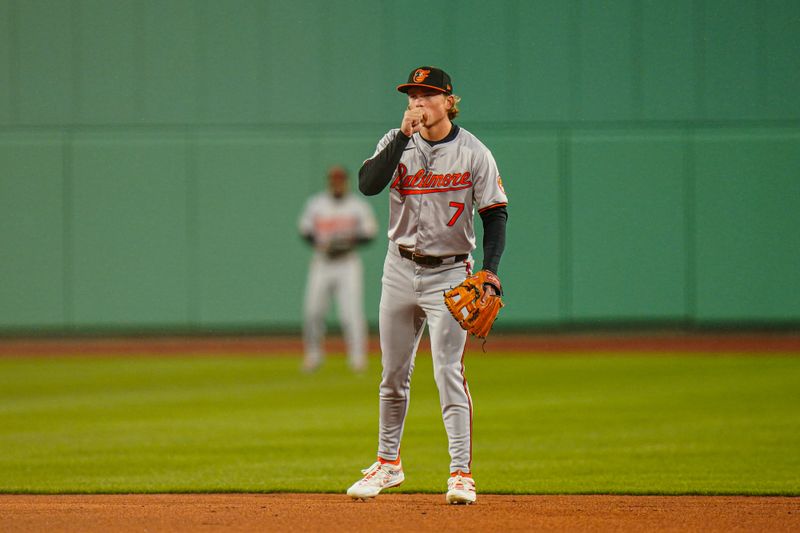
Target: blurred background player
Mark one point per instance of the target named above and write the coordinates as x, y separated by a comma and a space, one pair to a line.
335, 222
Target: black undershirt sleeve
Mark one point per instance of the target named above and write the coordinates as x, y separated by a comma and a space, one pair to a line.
375, 173
494, 236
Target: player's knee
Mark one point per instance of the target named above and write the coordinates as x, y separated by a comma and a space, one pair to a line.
393, 391
446, 373
395, 384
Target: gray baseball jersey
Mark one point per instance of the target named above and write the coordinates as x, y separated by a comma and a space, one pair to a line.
435, 191
328, 219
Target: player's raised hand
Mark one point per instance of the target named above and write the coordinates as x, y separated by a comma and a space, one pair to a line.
413, 120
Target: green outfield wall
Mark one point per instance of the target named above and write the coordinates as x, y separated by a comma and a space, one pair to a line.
155, 154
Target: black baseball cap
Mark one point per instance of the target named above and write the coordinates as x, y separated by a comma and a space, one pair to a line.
429, 77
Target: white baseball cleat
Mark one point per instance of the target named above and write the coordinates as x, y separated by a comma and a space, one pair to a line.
358, 368
461, 489
377, 477
311, 365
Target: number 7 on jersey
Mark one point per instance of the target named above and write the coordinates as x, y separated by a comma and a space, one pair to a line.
459, 209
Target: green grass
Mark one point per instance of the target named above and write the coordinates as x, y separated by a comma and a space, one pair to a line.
557, 424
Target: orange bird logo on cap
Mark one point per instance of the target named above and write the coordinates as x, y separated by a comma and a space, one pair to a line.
420, 75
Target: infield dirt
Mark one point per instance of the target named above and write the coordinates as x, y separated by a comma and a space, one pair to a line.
393, 512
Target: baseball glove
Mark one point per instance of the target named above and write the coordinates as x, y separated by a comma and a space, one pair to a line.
339, 247
473, 307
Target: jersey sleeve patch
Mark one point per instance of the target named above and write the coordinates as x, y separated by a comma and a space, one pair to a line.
500, 184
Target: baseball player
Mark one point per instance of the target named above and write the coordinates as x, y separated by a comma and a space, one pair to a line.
438, 174
335, 222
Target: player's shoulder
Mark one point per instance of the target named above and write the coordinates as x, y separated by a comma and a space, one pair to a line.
357, 201
318, 198
391, 134
470, 140
388, 137
470, 144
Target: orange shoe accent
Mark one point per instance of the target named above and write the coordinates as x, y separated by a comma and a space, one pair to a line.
462, 474
383, 461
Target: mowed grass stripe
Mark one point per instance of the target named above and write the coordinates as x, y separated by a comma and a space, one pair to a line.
558, 424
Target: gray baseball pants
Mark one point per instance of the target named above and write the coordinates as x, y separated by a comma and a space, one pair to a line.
412, 295
344, 278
